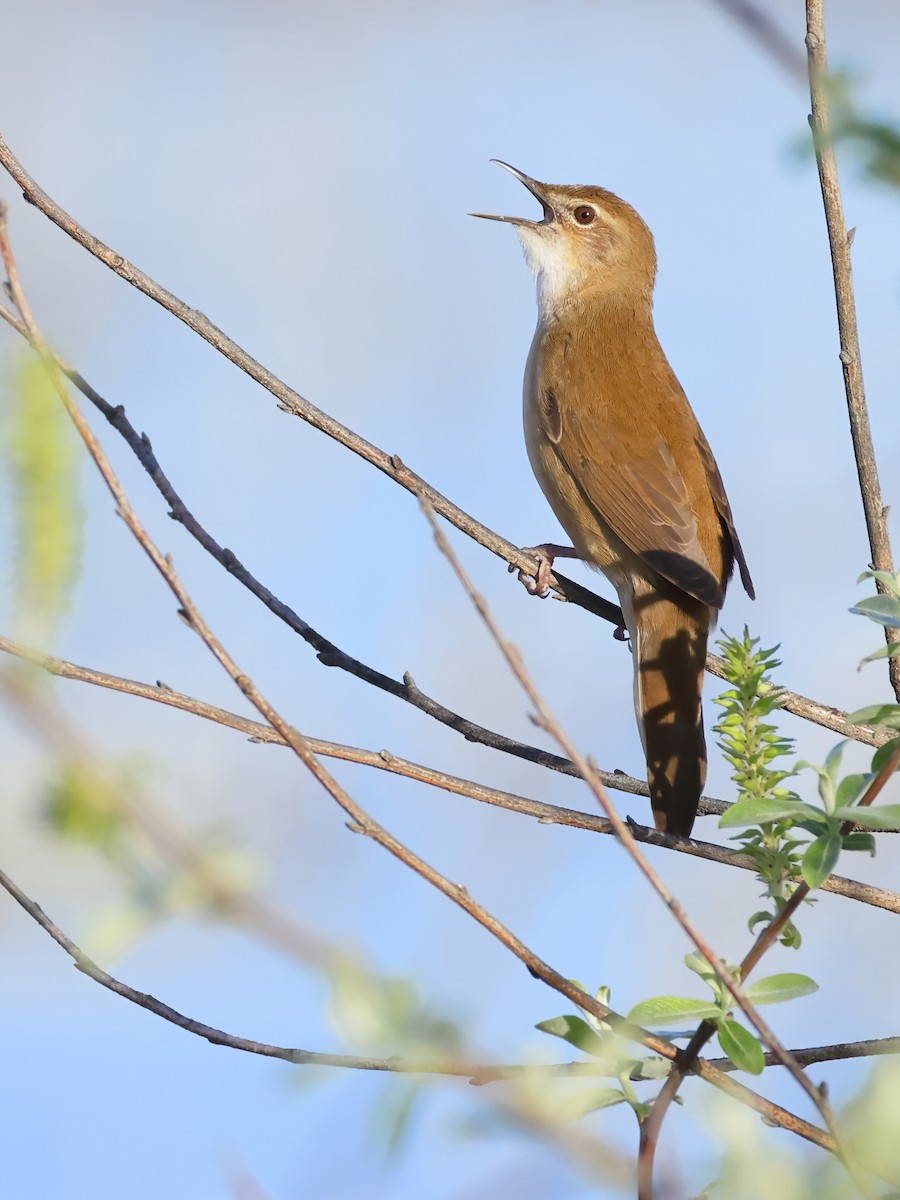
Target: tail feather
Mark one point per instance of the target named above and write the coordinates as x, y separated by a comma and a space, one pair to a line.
669, 632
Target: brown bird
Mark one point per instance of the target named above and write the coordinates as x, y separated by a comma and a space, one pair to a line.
620, 456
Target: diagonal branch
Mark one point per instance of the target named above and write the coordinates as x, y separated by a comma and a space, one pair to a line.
603, 1158
290, 400
332, 656
326, 651
839, 240
476, 1073
760, 25
383, 760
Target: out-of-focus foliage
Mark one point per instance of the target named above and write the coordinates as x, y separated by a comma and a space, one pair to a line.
41, 458
755, 1168
875, 141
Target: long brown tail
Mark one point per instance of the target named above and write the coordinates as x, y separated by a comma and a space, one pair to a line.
669, 645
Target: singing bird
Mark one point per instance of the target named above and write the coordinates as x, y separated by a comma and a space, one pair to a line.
621, 458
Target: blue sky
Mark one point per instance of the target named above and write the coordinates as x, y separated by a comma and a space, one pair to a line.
301, 174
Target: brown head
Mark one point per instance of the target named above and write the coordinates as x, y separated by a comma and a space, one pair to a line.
588, 243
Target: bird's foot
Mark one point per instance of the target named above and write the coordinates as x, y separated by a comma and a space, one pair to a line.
537, 583
620, 633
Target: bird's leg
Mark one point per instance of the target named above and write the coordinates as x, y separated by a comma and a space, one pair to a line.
537, 583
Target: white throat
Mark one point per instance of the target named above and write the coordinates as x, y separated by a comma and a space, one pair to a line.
554, 266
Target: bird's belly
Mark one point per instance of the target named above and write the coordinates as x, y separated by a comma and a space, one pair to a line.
595, 542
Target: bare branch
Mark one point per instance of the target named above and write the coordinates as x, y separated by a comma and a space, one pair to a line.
384, 760
851, 361
477, 1073
289, 400
814, 72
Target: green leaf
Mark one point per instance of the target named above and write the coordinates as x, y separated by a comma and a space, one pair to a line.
775, 989
651, 1068
883, 753
582, 1103
42, 453
884, 610
851, 789
888, 650
577, 1033
821, 858
891, 582
741, 1047
859, 841
762, 811
876, 714
759, 918
676, 1010
827, 775
84, 804
879, 816
697, 963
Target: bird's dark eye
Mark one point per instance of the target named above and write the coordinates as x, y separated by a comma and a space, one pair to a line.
584, 214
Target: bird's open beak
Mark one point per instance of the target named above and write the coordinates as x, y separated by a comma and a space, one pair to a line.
537, 190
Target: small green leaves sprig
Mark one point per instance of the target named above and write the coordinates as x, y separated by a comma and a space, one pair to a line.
753, 745
595, 1037
779, 814
737, 1042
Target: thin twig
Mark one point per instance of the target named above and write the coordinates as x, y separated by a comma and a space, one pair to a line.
477, 1073
603, 1158
389, 464
851, 361
223, 896
384, 760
